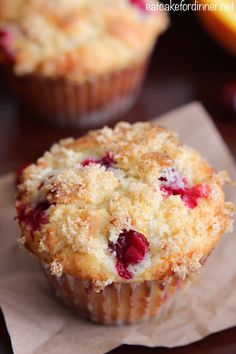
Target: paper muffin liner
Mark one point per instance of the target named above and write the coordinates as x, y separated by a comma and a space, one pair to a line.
87, 104
117, 303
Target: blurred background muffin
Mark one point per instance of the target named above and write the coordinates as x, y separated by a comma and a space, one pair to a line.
79, 62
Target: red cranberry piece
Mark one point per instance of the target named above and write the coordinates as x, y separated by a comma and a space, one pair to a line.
193, 194
33, 217
122, 271
168, 190
190, 196
162, 179
130, 248
141, 4
5, 40
175, 184
107, 160
89, 161
19, 171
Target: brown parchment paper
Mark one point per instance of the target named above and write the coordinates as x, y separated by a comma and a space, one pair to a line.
38, 323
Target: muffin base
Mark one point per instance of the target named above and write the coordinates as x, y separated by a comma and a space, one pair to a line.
117, 303
87, 104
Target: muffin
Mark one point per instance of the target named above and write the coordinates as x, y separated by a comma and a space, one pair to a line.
80, 62
120, 219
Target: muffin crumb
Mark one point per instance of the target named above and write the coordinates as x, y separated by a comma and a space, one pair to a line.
21, 241
42, 246
56, 268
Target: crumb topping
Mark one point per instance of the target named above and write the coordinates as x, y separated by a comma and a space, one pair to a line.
67, 39
56, 268
128, 204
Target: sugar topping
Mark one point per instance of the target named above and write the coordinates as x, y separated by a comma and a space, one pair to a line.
56, 268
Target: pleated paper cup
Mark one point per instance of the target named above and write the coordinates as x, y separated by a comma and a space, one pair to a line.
117, 303
88, 104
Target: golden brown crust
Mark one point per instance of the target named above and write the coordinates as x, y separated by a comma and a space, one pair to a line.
90, 205
78, 39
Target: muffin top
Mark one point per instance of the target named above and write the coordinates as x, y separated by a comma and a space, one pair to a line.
77, 39
122, 205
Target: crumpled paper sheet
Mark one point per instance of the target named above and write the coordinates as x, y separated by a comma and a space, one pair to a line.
38, 323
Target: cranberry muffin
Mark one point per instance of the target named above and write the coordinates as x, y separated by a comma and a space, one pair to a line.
121, 218
79, 62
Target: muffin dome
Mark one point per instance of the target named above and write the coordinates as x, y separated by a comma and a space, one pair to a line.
76, 39
123, 205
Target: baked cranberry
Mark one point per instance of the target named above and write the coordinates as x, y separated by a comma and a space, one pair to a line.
123, 271
141, 4
130, 249
168, 190
89, 161
107, 160
33, 217
5, 40
174, 184
193, 194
